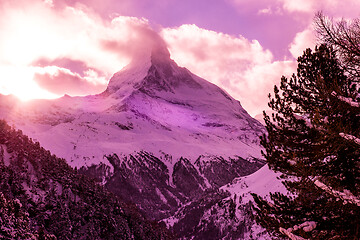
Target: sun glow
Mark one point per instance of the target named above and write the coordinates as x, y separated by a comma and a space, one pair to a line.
19, 82
38, 31
27, 37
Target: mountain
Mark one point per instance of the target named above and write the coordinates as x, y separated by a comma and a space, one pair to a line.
159, 136
42, 197
150, 105
227, 213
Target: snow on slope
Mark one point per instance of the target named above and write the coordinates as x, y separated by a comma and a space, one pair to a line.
150, 105
261, 183
227, 213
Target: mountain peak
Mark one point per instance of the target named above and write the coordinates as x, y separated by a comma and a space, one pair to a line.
154, 52
160, 52
151, 71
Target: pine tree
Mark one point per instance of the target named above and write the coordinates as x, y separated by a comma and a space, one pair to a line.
314, 141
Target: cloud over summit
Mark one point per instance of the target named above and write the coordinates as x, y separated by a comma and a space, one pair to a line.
56, 47
54, 36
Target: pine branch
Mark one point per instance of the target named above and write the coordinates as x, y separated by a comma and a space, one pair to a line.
314, 128
306, 227
305, 119
289, 234
349, 101
350, 137
346, 196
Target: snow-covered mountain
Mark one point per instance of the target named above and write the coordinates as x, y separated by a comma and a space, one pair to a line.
158, 136
150, 105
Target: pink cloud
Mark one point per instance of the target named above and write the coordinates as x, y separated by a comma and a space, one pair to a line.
37, 30
61, 81
76, 66
303, 40
85, 47
71, 38
240, 66
253, 6
265, 11
335, 8
141, 39
296, 6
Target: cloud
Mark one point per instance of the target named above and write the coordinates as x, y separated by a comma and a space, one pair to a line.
76, 66
141, 39
253, 6
17, 80
259, 81
297, 6
241, 67
61, 80
265, 11
73, 38
336, 8
303, 40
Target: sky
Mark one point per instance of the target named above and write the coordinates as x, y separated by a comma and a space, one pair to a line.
49, 48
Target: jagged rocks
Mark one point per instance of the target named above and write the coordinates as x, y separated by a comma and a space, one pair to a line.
220, 171
186, 197
144, 180
187, 179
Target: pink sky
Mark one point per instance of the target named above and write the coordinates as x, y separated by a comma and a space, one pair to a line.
53, 47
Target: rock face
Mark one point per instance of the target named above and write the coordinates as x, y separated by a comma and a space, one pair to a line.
145, 180
226, 212
159, 137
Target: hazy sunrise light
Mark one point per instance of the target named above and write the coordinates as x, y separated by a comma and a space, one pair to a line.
179, 119
54, 47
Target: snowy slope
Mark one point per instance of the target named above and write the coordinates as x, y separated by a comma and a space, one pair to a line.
41, 191
150, 105
261, 183
226, 213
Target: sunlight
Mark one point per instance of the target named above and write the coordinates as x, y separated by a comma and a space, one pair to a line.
18, 81
41, 32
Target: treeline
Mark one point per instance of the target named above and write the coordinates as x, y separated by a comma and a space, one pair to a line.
42, 197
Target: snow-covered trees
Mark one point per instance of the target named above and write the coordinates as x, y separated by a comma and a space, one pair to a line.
313, 140
41, 197
14, 223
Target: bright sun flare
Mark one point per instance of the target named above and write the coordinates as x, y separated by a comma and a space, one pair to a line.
27, 36
19, 82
